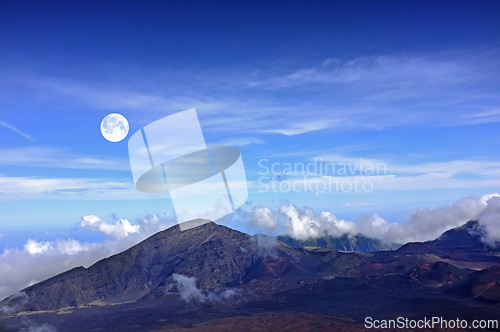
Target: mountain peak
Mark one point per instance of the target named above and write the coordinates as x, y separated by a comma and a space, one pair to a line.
465, 238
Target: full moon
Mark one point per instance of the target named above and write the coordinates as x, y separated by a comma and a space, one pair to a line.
114, 127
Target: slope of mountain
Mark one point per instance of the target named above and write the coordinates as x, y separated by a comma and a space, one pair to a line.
482, 285
346, 242
211, 275
439, 272
463, 245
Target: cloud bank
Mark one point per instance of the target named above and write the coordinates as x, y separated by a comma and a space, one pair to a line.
39, 260
421, 225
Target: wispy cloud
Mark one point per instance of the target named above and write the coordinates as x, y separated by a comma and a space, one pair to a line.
486, 116
98, 95
19, 187
16, 130
401, 72
119, 99
478, 167
326, 185
58, 158
74, 185
450, 88
301, 128
189, 292
237, 141
383, 91
329, 173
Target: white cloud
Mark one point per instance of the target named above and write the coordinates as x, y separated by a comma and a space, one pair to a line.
223, 296
306, 224
121, 228
189, 292
263, 217
72, 247
187, 288
428, 224
22, 268
490, 220
33, 247
373, 226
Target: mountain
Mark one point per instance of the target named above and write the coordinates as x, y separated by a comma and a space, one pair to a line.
466, 237
346, 242
211, 277
213, 254
462, 244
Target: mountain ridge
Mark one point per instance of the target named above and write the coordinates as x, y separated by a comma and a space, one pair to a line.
463, 238
346, 242
184, 278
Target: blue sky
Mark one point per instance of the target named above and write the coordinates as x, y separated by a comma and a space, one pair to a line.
413, 85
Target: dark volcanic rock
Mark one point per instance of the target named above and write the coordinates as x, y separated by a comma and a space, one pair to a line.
482, 285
